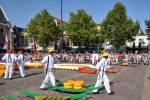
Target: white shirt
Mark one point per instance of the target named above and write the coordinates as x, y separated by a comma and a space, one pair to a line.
21, 59
9, 58
102, 64
97, 56
50, 63
93, 56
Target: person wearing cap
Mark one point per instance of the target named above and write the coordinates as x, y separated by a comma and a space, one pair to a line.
21, 63
48, 61
10, 60
102, 77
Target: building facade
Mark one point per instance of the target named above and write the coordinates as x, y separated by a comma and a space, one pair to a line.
140, 43
6, 32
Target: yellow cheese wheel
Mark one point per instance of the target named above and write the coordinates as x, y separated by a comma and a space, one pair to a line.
70, 81
42, 98
68, 87
79, 87
2, 72
33, 65
79, 83
67, 84
2, 66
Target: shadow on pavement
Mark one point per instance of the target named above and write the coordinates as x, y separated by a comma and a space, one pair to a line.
111, 83
28, 75
89, 98
148, 77
2, 83
33, 74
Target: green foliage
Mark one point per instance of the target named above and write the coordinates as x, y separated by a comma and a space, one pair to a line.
117, 27
147, 22
81, 28
43, 28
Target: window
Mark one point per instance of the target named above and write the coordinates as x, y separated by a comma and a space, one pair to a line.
23, 40
141, 41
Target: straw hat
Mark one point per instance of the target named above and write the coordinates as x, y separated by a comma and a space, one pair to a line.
51, 50
105, 54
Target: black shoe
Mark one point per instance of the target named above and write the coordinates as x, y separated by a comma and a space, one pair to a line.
94, 92
111, 93
42, 88
10, 78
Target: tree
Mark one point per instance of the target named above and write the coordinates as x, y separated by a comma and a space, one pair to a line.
117, 27
81, 29
43, 28
147, 22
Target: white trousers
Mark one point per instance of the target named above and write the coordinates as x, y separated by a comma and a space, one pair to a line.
49, 76
22, 70
9, 70
93, 61
103, 79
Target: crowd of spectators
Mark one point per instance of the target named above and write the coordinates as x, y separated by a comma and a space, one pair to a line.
93, 58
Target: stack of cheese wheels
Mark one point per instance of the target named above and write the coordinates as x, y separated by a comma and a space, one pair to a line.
33, 65
2, 72
125, 64
78, 84
2, 69
113, 62
68, 84
2, 66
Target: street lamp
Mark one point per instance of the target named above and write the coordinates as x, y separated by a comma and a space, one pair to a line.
61, 11
61, 14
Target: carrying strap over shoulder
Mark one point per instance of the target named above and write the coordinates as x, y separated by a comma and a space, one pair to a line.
47, 64
23, 57
104, 69
9, 58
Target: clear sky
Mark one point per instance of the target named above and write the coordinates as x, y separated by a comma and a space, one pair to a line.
21, 11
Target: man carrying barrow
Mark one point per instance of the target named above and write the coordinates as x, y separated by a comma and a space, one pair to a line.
102, 77
48, 61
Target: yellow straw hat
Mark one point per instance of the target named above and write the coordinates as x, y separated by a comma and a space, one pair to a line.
51, 50
105, 54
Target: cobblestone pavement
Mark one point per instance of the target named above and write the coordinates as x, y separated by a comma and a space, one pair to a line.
131, 83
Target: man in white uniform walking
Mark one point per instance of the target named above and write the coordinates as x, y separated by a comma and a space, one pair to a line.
49, 65
21, 63
10, 60
102, 77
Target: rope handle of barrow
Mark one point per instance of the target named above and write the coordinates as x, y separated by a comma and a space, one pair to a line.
47, 65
